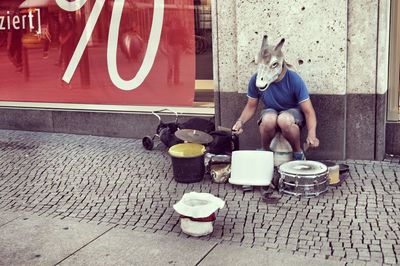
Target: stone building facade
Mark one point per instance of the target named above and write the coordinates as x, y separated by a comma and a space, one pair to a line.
341, 50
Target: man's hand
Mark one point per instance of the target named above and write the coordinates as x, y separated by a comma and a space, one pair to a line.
312, 141
238, 127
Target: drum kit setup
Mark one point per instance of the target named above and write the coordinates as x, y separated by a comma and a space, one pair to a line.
256, 168
305, 179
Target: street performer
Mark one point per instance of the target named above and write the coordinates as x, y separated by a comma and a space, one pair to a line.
287, 104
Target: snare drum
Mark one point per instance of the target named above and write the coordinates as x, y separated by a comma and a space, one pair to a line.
303, 178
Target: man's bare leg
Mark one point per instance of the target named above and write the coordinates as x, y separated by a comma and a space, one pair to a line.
290, 130
268, 129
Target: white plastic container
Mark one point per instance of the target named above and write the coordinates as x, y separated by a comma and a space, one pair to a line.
254, 168
197, 212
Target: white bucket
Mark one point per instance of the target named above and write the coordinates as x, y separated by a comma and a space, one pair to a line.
254, 168
197, 212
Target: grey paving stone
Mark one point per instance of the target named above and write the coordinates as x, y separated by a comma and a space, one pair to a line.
115, 181
255, 256
7, 217
33, 240
122, 247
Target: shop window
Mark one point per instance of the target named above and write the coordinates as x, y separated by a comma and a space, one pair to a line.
131, 53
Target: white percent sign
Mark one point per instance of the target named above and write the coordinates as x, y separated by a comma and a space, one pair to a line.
112, 45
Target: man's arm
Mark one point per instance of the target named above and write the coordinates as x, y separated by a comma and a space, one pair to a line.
311, 122
247, 113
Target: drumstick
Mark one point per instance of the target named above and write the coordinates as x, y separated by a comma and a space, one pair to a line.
221, 128
305, 146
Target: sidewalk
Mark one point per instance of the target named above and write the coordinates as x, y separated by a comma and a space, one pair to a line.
121, 196
51, 241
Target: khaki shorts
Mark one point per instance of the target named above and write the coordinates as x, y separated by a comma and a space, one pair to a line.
295, 112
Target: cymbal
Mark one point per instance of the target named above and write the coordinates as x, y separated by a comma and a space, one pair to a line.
194, 136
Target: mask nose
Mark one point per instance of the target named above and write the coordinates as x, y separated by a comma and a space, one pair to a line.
262, 78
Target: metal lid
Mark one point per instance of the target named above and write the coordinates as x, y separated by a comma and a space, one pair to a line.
303, 168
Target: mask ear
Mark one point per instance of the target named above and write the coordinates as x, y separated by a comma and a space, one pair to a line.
257, 58
279, 45
264, 43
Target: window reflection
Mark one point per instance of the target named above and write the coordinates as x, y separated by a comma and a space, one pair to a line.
204, 62
40, 53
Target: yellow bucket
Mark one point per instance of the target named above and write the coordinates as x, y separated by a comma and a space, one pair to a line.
187, 150
188, 162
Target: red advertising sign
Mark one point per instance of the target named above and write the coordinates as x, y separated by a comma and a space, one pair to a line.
122, 52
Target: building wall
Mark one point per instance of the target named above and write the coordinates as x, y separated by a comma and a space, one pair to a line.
338, 47
100, 123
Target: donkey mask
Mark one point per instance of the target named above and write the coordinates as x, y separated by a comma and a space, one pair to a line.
270, 63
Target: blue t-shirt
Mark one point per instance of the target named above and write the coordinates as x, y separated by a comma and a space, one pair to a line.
281, 95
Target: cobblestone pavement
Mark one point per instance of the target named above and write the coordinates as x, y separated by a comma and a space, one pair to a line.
116, 181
